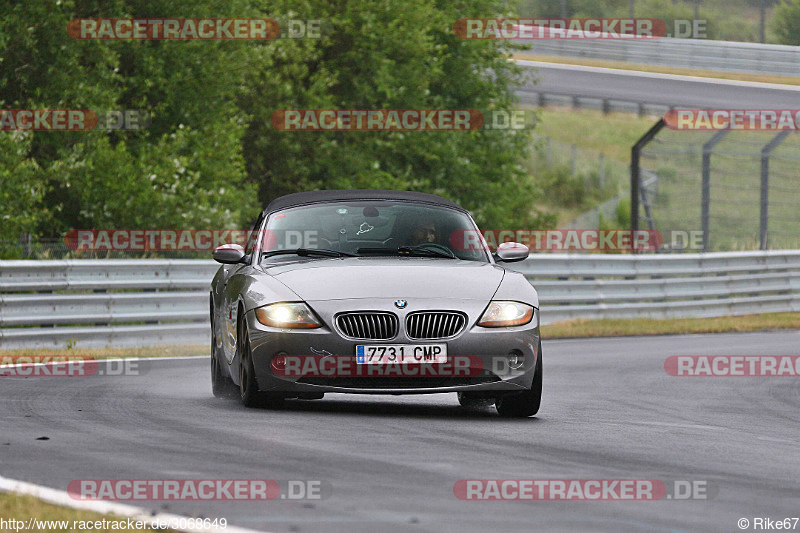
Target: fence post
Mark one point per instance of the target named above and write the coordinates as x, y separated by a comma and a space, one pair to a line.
708, 148
574, 156
764, 214
602, 171
635, 153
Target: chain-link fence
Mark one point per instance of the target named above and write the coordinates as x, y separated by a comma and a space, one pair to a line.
578, 180
725, 190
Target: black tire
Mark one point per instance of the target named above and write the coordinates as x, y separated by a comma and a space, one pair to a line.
249, 394
470, 402
220, 383
526, 403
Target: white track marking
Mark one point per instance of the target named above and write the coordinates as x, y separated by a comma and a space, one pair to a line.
62, 498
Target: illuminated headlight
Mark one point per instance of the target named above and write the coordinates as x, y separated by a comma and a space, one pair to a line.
503, 314
287, 315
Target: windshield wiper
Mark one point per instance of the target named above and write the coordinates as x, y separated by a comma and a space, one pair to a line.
305, 252
408, 250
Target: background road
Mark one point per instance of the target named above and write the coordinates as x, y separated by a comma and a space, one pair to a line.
609, 411
662, 89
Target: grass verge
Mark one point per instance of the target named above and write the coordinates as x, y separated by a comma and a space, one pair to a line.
22, 508
612, 134
722, 75
672, 326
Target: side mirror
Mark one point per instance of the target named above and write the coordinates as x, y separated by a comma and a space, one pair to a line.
228, 254
510, 252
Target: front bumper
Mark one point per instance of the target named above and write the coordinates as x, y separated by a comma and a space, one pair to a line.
486, 349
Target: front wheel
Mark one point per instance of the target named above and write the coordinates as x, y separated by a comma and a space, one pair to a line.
218, 381
248, 387
526, 403
220, 384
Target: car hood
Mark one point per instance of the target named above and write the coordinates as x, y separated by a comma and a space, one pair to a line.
393, 277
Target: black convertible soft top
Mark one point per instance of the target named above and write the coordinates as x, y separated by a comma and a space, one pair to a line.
313, 197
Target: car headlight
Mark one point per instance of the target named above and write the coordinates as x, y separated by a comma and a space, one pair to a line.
505, 313
287, 315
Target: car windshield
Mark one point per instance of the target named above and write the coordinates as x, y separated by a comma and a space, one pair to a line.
372, 228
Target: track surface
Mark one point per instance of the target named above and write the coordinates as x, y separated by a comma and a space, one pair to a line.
650, 88
609, 411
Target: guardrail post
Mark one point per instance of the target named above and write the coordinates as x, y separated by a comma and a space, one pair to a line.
708, 148
635, 171
764, 213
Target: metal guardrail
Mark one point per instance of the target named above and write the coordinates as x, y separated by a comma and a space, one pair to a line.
92, 303
532, 96
730, 56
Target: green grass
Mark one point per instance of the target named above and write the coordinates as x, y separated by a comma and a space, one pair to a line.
17, 507
676, 156
675, 326
593, 133
612, 134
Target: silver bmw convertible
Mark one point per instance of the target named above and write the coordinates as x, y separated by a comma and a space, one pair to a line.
373, 292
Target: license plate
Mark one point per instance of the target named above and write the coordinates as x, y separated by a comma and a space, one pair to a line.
372, 354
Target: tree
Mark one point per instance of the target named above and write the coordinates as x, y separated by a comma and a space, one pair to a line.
389, 55
786, 22
185, 170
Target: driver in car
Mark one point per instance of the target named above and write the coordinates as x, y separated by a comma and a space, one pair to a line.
422, 232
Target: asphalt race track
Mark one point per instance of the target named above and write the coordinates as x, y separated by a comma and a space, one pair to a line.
651, 88
609, 411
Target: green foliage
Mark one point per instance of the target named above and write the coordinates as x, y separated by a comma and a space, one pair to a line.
210, 157
185, 170
623, 213
563, 189
727, 19
20, 186
786, 23
372, 57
